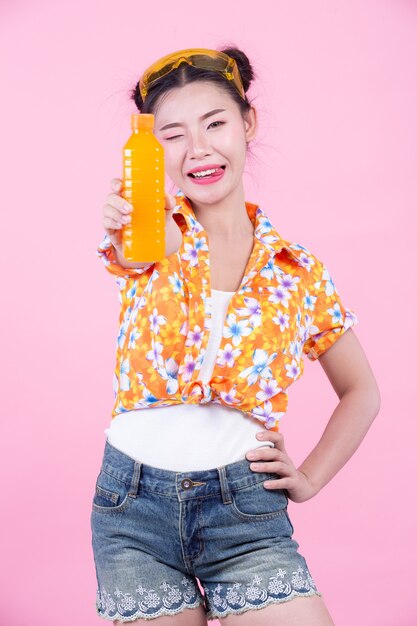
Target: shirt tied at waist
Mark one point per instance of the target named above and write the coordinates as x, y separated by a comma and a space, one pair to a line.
200, 392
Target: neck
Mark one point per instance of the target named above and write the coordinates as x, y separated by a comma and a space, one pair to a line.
227, 219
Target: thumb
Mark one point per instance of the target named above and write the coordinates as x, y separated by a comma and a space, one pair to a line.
170, 204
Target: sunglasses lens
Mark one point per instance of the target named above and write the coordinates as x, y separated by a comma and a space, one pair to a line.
160, 72
209, 63
199, 60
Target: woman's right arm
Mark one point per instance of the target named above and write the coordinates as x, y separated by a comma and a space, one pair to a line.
116, 213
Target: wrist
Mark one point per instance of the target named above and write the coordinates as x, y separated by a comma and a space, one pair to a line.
312, 485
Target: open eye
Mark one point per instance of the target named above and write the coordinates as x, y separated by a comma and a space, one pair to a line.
215, 123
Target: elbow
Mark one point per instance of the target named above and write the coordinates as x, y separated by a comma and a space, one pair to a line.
372, 400
373, 396
367, 397
377, 400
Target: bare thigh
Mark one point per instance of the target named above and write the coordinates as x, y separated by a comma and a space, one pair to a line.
188, 617
308, 611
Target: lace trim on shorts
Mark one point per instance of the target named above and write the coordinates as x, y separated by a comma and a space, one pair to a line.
149, 603
237, 598
223, 600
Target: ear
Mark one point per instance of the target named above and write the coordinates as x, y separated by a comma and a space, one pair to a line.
250, 123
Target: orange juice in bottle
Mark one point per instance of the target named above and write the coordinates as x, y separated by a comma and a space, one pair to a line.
143, 238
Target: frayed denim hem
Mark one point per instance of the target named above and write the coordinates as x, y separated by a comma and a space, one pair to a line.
150, 607
160, 613
212, 615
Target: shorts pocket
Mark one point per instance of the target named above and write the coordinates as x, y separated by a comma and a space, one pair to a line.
111, 494
256, 503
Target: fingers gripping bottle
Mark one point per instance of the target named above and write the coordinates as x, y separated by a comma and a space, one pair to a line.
143, 238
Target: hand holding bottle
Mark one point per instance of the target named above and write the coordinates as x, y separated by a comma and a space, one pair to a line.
115, 215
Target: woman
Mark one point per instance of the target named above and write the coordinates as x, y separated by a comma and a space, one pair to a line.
210, 338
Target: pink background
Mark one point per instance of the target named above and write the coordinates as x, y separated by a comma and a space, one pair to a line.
335, 170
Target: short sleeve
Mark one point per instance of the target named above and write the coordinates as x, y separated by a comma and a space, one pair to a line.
107, 254
327, 318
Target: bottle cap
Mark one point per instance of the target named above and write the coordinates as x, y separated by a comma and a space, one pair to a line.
142, 120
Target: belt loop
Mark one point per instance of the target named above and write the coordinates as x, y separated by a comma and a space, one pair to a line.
134, 487
224, 485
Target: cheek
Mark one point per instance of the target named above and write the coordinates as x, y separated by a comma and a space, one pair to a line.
172, 162
234, 146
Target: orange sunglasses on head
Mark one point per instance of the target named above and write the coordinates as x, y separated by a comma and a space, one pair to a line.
203, 58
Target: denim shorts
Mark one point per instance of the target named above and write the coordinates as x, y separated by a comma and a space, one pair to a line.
159, 535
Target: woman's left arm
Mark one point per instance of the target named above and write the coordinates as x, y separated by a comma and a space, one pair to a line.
351, 376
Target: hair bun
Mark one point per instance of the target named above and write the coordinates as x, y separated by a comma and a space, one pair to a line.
245, 68
137, 96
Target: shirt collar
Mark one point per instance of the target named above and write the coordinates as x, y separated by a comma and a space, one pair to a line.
263, 229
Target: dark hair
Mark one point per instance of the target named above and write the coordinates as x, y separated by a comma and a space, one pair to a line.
186, 74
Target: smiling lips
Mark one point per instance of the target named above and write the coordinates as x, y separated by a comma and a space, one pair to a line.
216, 173
203, 168
209, 178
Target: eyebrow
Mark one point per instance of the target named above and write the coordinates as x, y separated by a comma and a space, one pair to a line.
203, 117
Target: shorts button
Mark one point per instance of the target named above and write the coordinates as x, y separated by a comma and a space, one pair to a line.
186, 483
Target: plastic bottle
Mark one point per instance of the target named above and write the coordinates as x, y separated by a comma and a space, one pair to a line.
143, 238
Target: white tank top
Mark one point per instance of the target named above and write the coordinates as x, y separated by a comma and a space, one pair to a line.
187, 437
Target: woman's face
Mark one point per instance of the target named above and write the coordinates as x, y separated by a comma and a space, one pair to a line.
196, 139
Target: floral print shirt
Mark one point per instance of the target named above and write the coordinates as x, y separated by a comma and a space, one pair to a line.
286, 307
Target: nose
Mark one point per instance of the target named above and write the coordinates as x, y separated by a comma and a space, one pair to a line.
198, 146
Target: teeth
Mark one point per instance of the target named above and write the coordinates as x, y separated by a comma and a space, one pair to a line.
204, 173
